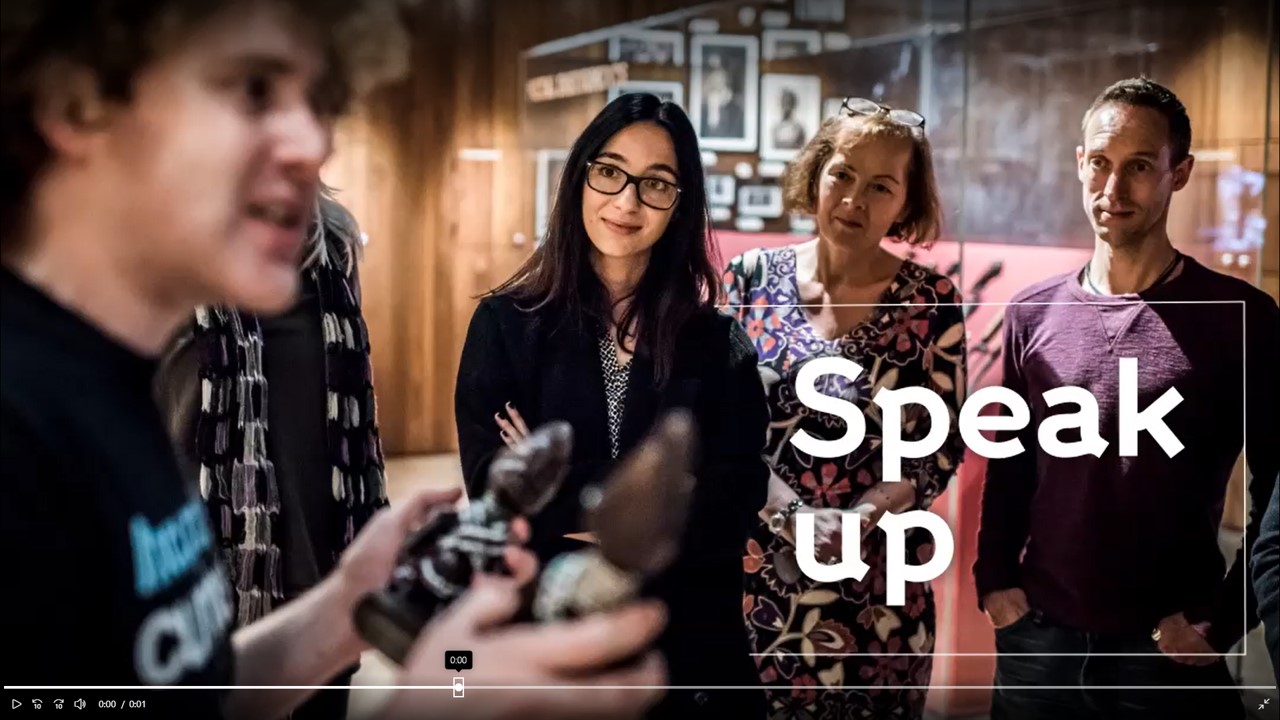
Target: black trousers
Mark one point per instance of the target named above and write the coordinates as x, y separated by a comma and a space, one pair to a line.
1045, 671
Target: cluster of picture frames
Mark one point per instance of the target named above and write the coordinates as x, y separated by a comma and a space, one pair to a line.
733, 107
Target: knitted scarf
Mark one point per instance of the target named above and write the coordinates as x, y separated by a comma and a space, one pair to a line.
237, 479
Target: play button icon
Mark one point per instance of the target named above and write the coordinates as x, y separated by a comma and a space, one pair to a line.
16, 704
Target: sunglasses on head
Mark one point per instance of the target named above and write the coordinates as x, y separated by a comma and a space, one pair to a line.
861, 106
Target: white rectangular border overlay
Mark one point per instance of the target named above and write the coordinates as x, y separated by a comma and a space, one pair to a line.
1244, 504
142, 690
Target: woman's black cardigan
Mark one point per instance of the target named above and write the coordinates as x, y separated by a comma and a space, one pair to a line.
547, 364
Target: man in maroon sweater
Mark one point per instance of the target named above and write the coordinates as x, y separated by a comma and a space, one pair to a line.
1098, 561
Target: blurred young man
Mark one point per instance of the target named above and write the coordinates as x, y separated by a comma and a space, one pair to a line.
157, 156
1122, 582
322, 471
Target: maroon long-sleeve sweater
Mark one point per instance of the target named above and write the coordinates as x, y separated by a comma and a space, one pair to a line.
1113, 544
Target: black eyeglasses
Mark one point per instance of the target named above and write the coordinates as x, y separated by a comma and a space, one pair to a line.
609, 179
863, 106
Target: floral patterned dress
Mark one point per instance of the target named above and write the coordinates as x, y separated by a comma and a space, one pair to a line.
876, 658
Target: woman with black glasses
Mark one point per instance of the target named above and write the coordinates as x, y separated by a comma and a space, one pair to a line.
866, 177
609, 323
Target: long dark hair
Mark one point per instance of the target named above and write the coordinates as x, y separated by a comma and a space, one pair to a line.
680, 279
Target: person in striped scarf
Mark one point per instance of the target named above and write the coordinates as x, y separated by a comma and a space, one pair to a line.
275, 418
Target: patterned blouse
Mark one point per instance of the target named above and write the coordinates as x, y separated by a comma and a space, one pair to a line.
870, 658
615, 388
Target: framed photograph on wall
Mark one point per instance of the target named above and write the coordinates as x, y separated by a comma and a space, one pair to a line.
790, 113
550, 166
720, 189
763, 201
723, 91
783, 44
820, 10
667, 90
648, 47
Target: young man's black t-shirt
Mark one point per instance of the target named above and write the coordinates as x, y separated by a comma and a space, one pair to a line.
111, 573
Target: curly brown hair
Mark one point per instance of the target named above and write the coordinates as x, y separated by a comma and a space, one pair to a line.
363, 42
922, 223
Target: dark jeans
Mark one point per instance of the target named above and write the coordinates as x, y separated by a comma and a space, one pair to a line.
329, 703
1037, 679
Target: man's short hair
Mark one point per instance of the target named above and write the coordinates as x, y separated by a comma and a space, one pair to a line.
1143, 92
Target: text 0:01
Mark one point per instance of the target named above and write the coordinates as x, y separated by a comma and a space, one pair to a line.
133, 704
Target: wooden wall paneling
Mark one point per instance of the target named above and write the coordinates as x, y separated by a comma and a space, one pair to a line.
417, 134
513, 179
422, 144
372, 183
467, 246
1220, 76
453, 111
1190, 70
1241, 76
407, 286
1240, 80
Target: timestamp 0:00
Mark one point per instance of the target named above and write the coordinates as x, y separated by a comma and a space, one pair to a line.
122, 704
